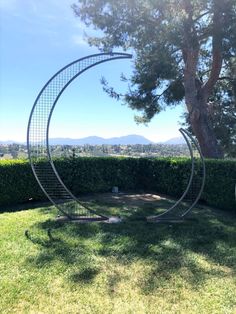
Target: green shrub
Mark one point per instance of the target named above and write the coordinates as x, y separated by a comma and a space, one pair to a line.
219, 190
91, 174
17, 183
170, 176
84, 175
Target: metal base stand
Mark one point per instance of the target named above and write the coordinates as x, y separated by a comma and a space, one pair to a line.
172, 220
110, 220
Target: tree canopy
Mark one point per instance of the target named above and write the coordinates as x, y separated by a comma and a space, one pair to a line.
184, 50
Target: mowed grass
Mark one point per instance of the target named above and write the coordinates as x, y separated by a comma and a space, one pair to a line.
131, 267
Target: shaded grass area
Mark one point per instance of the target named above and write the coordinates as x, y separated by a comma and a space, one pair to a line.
131, 267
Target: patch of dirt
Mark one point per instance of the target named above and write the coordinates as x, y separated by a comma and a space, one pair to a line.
137, 199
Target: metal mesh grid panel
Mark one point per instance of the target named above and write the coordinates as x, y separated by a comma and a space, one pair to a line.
38, 142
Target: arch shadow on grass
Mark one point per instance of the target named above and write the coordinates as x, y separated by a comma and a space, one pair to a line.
170, 250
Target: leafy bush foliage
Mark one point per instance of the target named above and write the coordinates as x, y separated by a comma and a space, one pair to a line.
17, 183
85, 175
91, 174
220, 184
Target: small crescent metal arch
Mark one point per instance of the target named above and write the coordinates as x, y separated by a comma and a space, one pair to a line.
38, 141
177, 211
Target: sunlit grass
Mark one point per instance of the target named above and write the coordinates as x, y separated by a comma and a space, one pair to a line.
131, 267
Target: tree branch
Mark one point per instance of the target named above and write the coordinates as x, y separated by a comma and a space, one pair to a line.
201, 15
160, 95
225, 78
190, 53
217, 59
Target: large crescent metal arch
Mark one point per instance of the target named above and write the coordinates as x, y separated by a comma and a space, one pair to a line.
40, 155
38, 137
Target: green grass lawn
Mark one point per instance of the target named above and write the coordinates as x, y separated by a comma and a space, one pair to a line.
131, 267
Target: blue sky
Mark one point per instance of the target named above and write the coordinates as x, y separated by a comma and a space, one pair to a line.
37, 39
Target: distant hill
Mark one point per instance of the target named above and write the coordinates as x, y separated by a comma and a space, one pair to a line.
175, 141
8, 142
95, 140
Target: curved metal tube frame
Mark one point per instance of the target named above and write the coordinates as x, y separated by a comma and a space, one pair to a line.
186, 136
203, 174
38, 139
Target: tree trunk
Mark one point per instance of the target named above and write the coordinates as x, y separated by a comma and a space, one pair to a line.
203, 129
196, 92
196, 97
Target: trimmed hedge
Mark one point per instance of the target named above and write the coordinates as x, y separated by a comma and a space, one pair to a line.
91, 174
84, 175
17, 183
220, 184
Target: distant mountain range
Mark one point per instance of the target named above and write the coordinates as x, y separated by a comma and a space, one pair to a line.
175, 141
9, 142
96, 140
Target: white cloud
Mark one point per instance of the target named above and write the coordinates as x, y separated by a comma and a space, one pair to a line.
76, 23
79, 40
8, 5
